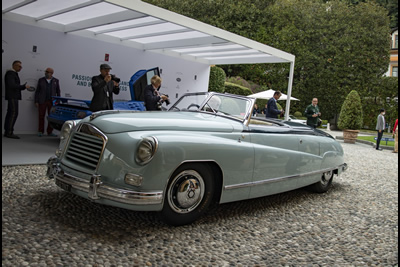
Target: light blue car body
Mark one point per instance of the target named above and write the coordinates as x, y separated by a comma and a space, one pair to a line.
250, 157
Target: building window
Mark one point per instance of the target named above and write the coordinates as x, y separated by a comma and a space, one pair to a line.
395, 71
396, 41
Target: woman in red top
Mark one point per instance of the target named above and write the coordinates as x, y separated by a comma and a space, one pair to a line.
396, 139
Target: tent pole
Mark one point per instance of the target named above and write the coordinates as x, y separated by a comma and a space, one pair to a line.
289, 93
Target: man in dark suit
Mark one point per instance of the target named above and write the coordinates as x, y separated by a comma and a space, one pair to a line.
47, 87
13, 95
151, 95
272, 108
103, 88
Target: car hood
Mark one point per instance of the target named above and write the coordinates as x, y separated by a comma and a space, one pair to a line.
159, 121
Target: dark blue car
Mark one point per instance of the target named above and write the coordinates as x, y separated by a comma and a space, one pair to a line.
73, 109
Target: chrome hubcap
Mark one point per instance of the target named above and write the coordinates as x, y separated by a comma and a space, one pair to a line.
186, 191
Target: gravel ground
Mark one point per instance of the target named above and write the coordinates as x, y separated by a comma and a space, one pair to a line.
354, 224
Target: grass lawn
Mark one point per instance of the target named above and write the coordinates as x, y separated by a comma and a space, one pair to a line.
371, 139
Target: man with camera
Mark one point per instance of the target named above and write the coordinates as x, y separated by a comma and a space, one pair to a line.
103, 86
152, 98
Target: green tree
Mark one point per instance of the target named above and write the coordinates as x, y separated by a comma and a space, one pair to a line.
338, 48
351, 114
383, 94
340, 45
217, 79
390, 5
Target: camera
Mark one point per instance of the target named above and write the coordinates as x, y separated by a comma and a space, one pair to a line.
159, 103
167, 101
115, 78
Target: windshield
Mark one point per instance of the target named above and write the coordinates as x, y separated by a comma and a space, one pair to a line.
226, 105
189, 102
220, 104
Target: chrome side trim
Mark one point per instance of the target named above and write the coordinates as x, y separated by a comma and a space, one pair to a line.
97, 190
284, 178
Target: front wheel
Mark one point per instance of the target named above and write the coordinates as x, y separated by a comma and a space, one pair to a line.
189, 194
324, 184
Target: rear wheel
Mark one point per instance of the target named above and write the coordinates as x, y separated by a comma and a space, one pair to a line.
189, 194
324, 184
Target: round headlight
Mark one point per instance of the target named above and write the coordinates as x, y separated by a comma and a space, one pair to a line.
66, 129
146, 150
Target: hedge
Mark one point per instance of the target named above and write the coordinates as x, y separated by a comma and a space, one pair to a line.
236, 89
217, 80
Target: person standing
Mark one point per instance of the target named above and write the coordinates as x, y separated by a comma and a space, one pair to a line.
312, 113
380, 127
264, 111
272, 108
256, 110
151, 95
103, 88
47, 87
396, 137
13, 95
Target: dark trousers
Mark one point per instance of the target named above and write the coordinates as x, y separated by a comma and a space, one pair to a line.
312, 125
46, 106
11, 116
378, 140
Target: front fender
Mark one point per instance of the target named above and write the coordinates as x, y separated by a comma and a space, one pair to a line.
232, 152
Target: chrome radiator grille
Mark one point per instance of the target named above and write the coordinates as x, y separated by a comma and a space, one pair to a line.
86, 147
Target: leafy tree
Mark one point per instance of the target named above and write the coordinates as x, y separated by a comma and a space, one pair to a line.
390, 5
351, 114
240, 17
340, 45
383, 94
217, 79
338, 48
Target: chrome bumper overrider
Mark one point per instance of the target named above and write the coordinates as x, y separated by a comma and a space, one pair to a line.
344, 166
97, 190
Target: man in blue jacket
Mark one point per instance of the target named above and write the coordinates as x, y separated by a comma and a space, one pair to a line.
13, 95
272, 108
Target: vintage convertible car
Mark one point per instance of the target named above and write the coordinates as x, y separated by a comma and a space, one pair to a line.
206, 148
294, 119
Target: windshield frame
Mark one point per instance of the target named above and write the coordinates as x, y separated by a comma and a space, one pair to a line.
245, 120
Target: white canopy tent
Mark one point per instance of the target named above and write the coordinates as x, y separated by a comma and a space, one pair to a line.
143, 26
269, 94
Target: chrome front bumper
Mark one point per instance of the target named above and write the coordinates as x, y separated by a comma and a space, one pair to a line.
97, 190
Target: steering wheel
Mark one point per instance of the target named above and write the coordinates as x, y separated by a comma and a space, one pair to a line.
193, 105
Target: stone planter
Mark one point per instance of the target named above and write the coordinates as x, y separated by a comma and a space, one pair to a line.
350, 136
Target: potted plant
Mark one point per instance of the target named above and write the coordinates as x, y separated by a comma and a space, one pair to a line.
351, 117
